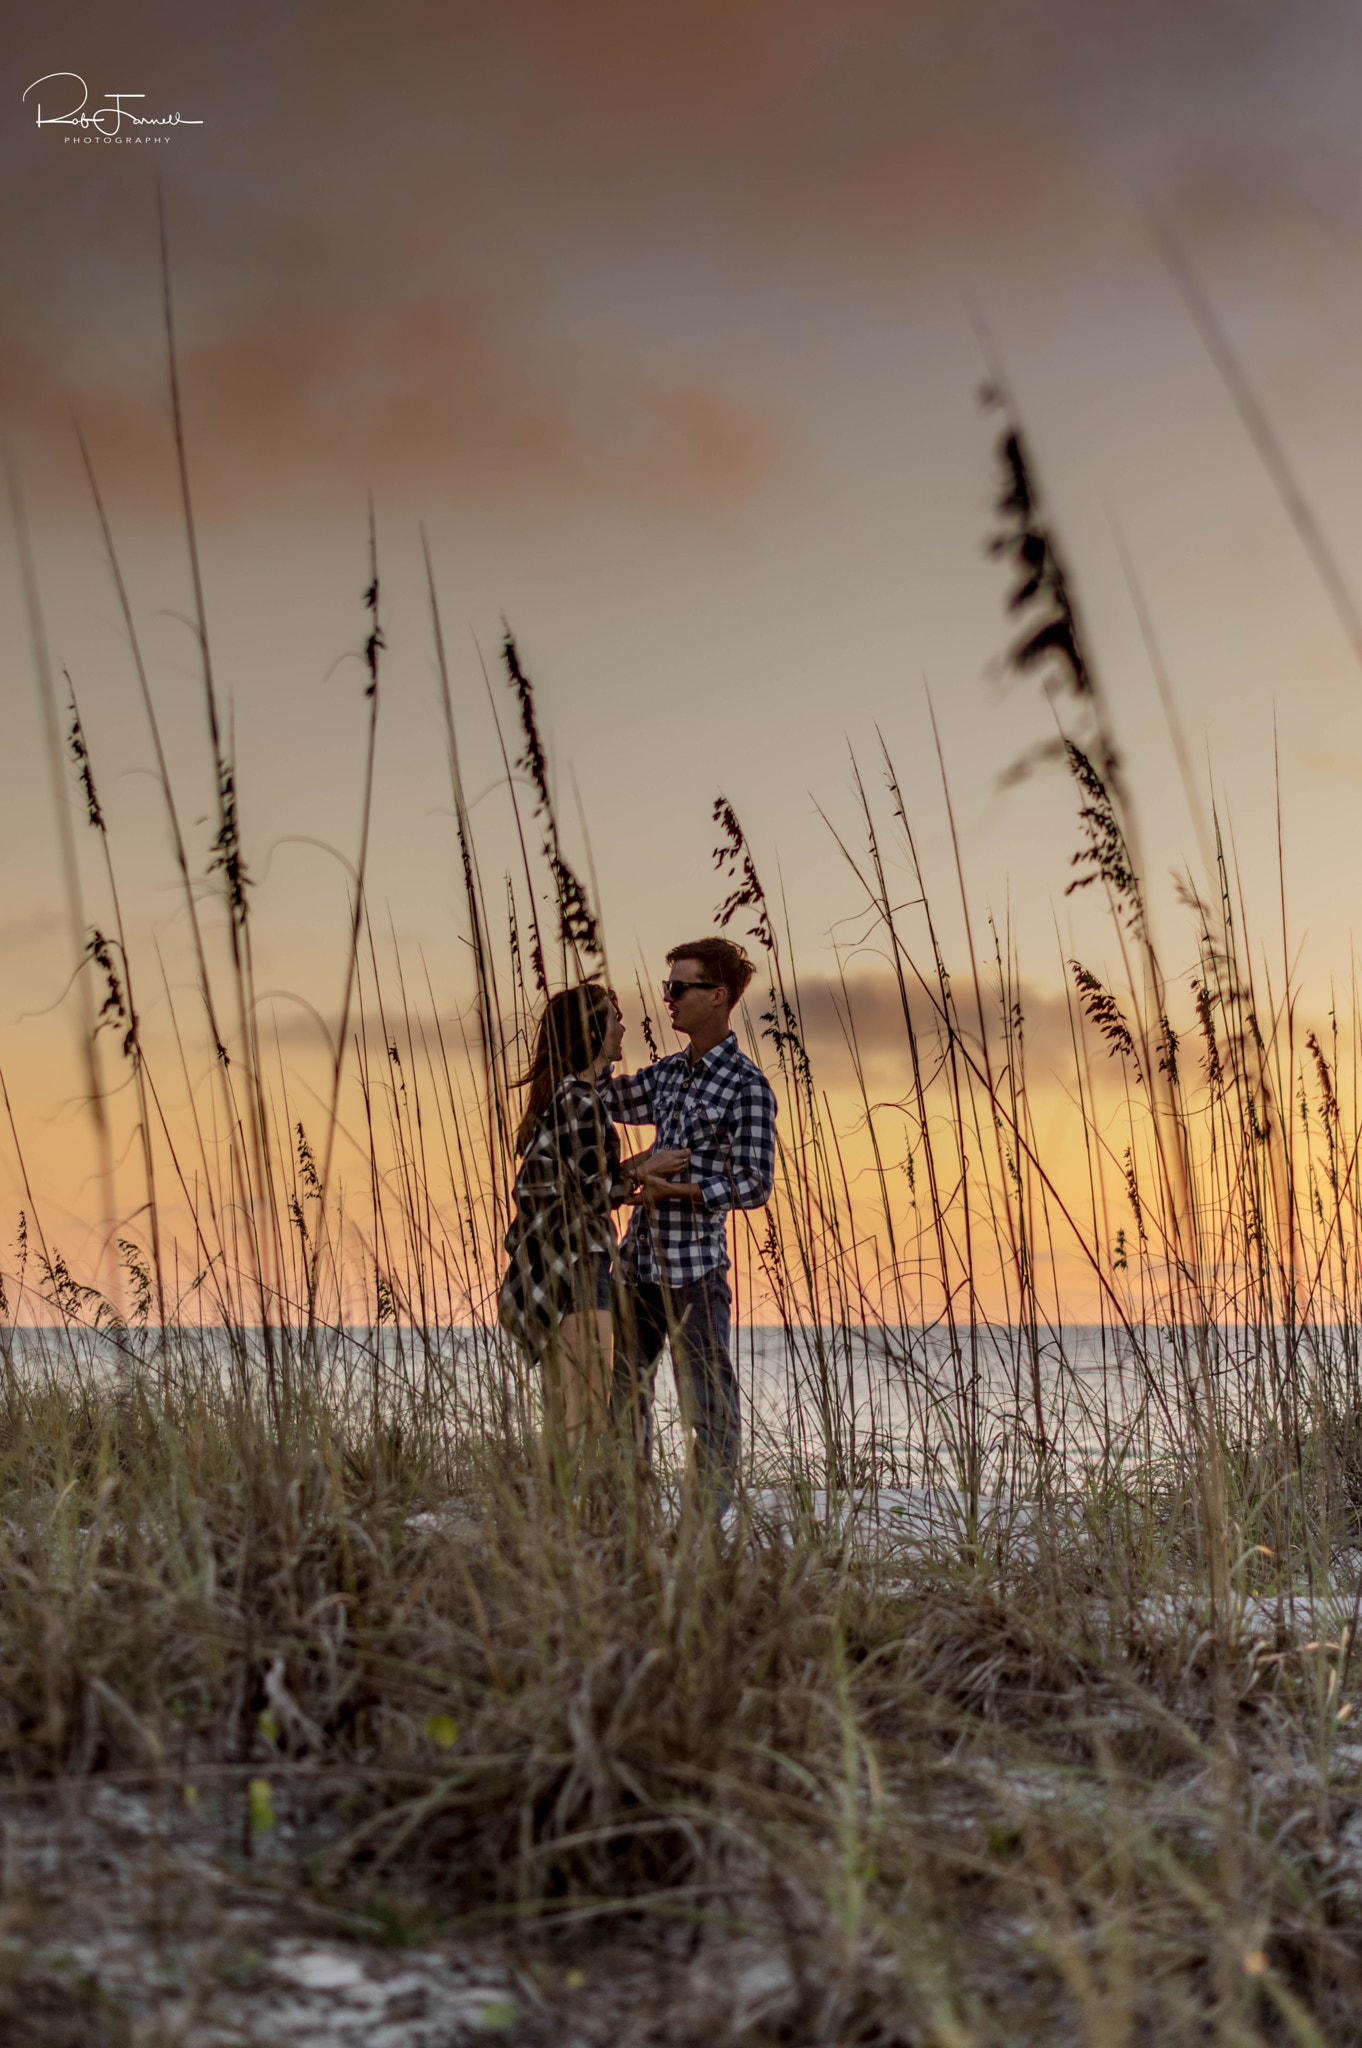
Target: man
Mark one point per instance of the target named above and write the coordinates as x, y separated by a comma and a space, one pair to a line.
714, 1105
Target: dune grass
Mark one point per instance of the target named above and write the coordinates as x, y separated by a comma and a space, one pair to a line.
1023, 1796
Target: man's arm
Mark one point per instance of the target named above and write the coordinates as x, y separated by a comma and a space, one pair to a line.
751, 1163
629, 1098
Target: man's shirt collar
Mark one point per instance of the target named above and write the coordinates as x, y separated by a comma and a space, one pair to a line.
715, 1053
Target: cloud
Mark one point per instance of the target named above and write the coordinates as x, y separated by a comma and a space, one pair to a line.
869, 999
398, 255
870, 1010
445, 399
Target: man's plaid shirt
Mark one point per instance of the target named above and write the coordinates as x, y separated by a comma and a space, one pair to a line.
724, 1109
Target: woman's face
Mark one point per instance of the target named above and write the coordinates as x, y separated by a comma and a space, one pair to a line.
614, 1033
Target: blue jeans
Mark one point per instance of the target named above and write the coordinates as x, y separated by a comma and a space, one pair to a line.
694, 1315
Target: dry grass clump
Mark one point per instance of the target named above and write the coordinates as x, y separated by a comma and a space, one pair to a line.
957, 1813
48, 2008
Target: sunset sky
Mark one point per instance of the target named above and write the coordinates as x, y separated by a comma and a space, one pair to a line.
664, 324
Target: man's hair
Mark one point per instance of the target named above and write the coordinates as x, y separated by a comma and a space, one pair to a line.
722, 960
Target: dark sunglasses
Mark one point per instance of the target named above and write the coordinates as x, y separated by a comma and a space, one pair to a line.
674, 990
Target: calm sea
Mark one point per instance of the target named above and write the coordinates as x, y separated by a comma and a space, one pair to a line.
876, 1400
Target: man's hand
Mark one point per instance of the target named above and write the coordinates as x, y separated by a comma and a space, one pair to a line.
657, 1165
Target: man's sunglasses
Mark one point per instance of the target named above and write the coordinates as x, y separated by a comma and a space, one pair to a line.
674, 990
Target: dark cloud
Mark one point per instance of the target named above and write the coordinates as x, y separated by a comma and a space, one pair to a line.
379, 222
868, 1011
443, 398
869, 999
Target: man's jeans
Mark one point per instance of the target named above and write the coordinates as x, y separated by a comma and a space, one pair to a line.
695, 1316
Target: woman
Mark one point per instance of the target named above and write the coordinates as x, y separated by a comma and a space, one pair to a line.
555, 1298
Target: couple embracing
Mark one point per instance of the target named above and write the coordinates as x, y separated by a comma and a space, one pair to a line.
595, 1312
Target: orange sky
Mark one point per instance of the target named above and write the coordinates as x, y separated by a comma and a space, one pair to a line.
661, 323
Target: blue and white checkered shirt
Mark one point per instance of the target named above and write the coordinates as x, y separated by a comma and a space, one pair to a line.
723, 1109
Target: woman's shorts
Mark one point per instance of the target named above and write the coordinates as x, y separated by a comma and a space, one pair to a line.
602, 1280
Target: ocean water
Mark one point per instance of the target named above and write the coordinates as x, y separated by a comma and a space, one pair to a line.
886, 1398
866, 1401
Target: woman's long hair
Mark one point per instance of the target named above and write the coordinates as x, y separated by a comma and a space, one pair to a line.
571, 1033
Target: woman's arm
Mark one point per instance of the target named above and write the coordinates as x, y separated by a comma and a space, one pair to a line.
651, 1189
652, 1166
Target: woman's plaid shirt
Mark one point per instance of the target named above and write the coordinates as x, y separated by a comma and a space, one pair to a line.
723, 1108
569, 1180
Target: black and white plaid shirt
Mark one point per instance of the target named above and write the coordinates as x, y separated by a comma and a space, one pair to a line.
723, 1109
569, 1180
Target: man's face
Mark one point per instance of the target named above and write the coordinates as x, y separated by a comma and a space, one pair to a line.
693, 997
